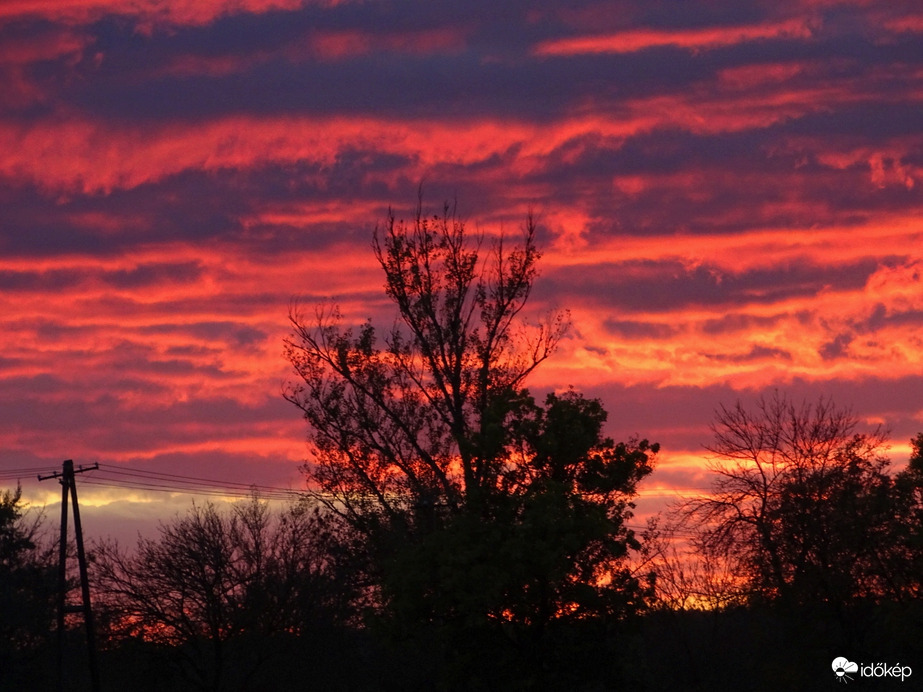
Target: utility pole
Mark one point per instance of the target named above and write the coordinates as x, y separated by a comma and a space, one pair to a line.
69, 487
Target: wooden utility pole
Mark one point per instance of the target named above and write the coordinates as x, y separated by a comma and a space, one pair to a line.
69, 487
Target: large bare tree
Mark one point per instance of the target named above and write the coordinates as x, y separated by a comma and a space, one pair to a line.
416, 419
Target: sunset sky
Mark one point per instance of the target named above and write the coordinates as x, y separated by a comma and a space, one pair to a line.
729, 197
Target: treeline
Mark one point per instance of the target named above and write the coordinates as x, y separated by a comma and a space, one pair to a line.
461, 534
807, 549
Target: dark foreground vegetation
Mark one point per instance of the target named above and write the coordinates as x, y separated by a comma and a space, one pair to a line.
248, 599
463, 535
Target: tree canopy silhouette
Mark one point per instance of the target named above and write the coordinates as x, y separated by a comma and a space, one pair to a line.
27, 588
803, 506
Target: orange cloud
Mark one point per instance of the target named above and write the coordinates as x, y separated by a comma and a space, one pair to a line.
88, 157
17, 55
690, 39
49, 46
777, 339
150, 13
92, 158
338, 45
911, 23
755, 248
750, 76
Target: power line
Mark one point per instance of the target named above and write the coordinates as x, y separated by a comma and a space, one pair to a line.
128, 478
25, 471
188, 480
216, 491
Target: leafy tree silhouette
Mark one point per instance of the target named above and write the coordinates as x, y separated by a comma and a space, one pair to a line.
27, 591
487, 520
901, 568
803, 506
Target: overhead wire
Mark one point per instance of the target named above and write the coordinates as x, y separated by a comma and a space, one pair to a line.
24, 472
130, 478
104, 482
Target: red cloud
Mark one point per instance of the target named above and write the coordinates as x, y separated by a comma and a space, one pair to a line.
149, 13
634, 40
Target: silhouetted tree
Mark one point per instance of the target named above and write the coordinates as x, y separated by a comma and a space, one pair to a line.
915, 463
420, 422
481, 510
902, 562
221, 589
802, 505
27, 590
504, 592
